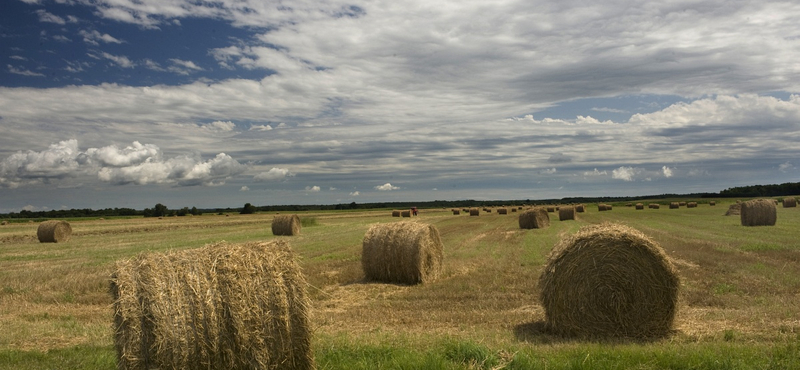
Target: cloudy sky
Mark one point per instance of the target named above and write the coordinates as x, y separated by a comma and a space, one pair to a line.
128, 103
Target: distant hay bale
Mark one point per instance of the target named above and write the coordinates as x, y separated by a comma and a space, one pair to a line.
536, 218
502, 211
395, 213
286, 225
222, 306
604, 207
735, 209
639, 206
628, 204
54, 231
674, 205
655, 206
580, 208
514, 209
404, 252
405, 213
456, 212
712, 203
789, 202
682, 204
551, 209
609, 281
474, 212
487, 210
759, 212
691, 205
566, 213
4, 223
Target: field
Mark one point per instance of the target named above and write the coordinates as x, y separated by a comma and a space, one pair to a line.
739, 302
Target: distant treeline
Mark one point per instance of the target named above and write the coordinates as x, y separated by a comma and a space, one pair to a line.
791, 188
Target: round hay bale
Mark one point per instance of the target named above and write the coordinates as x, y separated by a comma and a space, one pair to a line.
456, 212
691, 205
712, 203
759, 212
656, 206
609, 281
474, 212
4, 223
536, 218
735, 209
580, 208
395, 213
405, 213
502, 211
789, 202
639, 206
674, 205
566, 213
222, 306
54, 231
682, 204
286, 225
404, 252
514, 209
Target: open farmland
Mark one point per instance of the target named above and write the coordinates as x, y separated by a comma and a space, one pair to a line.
739, 304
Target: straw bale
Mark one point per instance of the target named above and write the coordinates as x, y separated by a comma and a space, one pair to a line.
502, 211
514, 209
222, 306
406, 252
286, 225
759, 212
474, 212
566, 213
674, 205
580, 208
551, 209
4, 223
536, 218
609, 281
456, 212
405, 213
691, 205
735, 209
682, 204
54, 231
789, 202
639, 206
656, 206
395, 213
712, 203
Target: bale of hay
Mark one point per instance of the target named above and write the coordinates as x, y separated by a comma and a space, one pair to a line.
456, 212
628, 204
712, 203
674, 205
691, 205
759, 212
656, 206
395, 213
514, 209
4, 223
405, 213
405, 252
54, 231
735, 209
580, 208
639, 206
682, 204
222, 306
474, 212
551, 209
536, 218
609, 281
566, 213
286, 225
488, 210
502, 211
789, 202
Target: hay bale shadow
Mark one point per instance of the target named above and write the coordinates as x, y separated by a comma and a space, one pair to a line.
537, 332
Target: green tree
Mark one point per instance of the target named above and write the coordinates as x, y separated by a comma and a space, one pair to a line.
248, 209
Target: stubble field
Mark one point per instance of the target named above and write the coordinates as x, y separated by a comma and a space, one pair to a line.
739, 304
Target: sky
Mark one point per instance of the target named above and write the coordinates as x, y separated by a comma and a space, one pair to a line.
129, 103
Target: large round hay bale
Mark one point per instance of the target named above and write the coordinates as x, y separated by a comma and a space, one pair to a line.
223, 306
609, 281
286, 225
759, 212
580, 208
514, 209
789, 202
404, 252
712, 203
54, 231
456, 212
682, 204
640, 206
536, 218
405, 213
674, 205
656, 206
396, 213
735, 209
551, 209
4, 222
566, 213
502, 211
691, 205
474, 212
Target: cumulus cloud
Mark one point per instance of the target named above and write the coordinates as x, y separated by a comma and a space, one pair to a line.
115, 156
183, 170
313, 189
223, 126
355, 194
666, 171
624, 173
58, 161
274, 173
260, 127
595, 173
244, 188
386, 187
786, 166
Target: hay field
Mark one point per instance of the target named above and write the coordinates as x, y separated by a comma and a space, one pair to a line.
739, 303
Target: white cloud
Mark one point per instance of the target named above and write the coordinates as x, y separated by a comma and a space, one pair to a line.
23, 71
355, 194
183, 170
183, 67
119, 60
222, 126
274, 173
595, 173
624, 173
386, 187
94, 37
45, 16
786, 166
260, 127
667, 171
548, 171
58, 161
122, 157
244, 188
313, 189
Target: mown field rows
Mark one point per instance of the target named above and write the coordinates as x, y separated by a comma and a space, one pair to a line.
739, 301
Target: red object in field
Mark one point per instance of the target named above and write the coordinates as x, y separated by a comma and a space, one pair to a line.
414, 211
